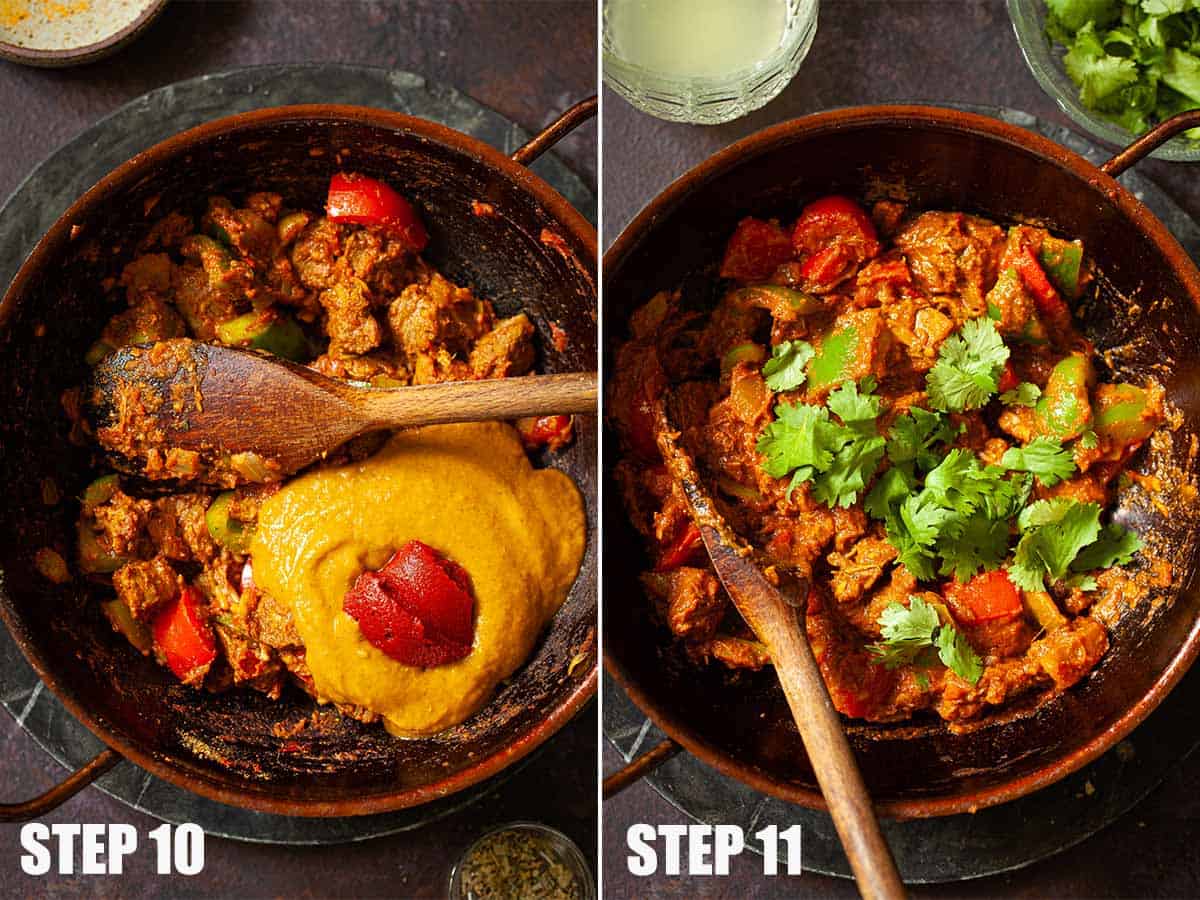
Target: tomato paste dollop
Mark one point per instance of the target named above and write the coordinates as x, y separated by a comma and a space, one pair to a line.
418, 609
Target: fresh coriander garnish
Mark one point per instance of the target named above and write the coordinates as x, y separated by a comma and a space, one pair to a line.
784, 371
959, 516
1044, 457
1062, 539
1024, 394
1116, 546
913, 436
839, 456
1089, 440
968, 369
908, 631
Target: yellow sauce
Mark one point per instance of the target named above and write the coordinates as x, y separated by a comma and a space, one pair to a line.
469, 492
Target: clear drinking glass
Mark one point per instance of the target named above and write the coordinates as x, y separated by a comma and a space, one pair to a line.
709, 97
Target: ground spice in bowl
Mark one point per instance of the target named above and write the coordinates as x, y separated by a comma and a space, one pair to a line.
522, 861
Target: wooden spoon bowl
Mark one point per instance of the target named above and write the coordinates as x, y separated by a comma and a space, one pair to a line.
185, 410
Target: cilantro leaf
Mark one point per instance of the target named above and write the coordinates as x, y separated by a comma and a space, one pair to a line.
1074, 14
1135, 63
857, 411
1043, 512
1044, 457
961, 483
968, 369
1053, 535
972, 543
914, 531
838, 457
957, 653
907, 631
1116, 546
1089, 440
1024, 394
889, 492
784, 371
913, 435
1099, 74
800, 436
849, 472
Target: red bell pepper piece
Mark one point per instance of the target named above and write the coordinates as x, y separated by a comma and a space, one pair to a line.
1009, 379
826, 267
986, 597
184, 638
755, 250
686, 547
545, 431
1049, 304
418, 609
360, 200
835, 219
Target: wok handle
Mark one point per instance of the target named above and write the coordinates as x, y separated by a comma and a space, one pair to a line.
61, 792
1151, 141
639, 768
556, 131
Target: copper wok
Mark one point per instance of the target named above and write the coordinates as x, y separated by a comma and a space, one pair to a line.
536, 252
1147, 311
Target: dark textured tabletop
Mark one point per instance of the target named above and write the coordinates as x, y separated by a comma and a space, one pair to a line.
948, 51
497, 53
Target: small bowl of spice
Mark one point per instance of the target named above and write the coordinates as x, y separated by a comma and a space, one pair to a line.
522, 861
55, 33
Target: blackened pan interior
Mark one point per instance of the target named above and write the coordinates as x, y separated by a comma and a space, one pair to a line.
228, 746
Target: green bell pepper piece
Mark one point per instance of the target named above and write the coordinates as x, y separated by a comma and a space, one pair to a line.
94, 559
290, 226
739, 490
231, 534
1062, 261
1123, 413
100, 491
782, 302
1063, 412
834, 357
268, 330
744, 352
125, 624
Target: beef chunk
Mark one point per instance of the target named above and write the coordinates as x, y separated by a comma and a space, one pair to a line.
695, 603
438, 312
145, 586
505, 350
352, 329
315, 253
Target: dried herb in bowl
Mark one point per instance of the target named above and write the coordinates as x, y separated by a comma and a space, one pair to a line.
522, 862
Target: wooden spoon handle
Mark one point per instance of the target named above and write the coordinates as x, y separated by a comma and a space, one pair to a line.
833, 760
476, 401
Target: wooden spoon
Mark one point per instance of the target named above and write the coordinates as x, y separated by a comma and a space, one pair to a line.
779, 627
190, 411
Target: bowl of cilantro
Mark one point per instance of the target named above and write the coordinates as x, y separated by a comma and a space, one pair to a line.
1117, 67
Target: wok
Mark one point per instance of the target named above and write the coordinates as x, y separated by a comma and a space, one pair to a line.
534, 253
1147, 313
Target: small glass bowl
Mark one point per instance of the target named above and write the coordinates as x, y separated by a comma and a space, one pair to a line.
1045, 60
710, 101
563, 848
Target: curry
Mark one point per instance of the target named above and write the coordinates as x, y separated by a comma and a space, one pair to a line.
897, 411
400, 579
468, 490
